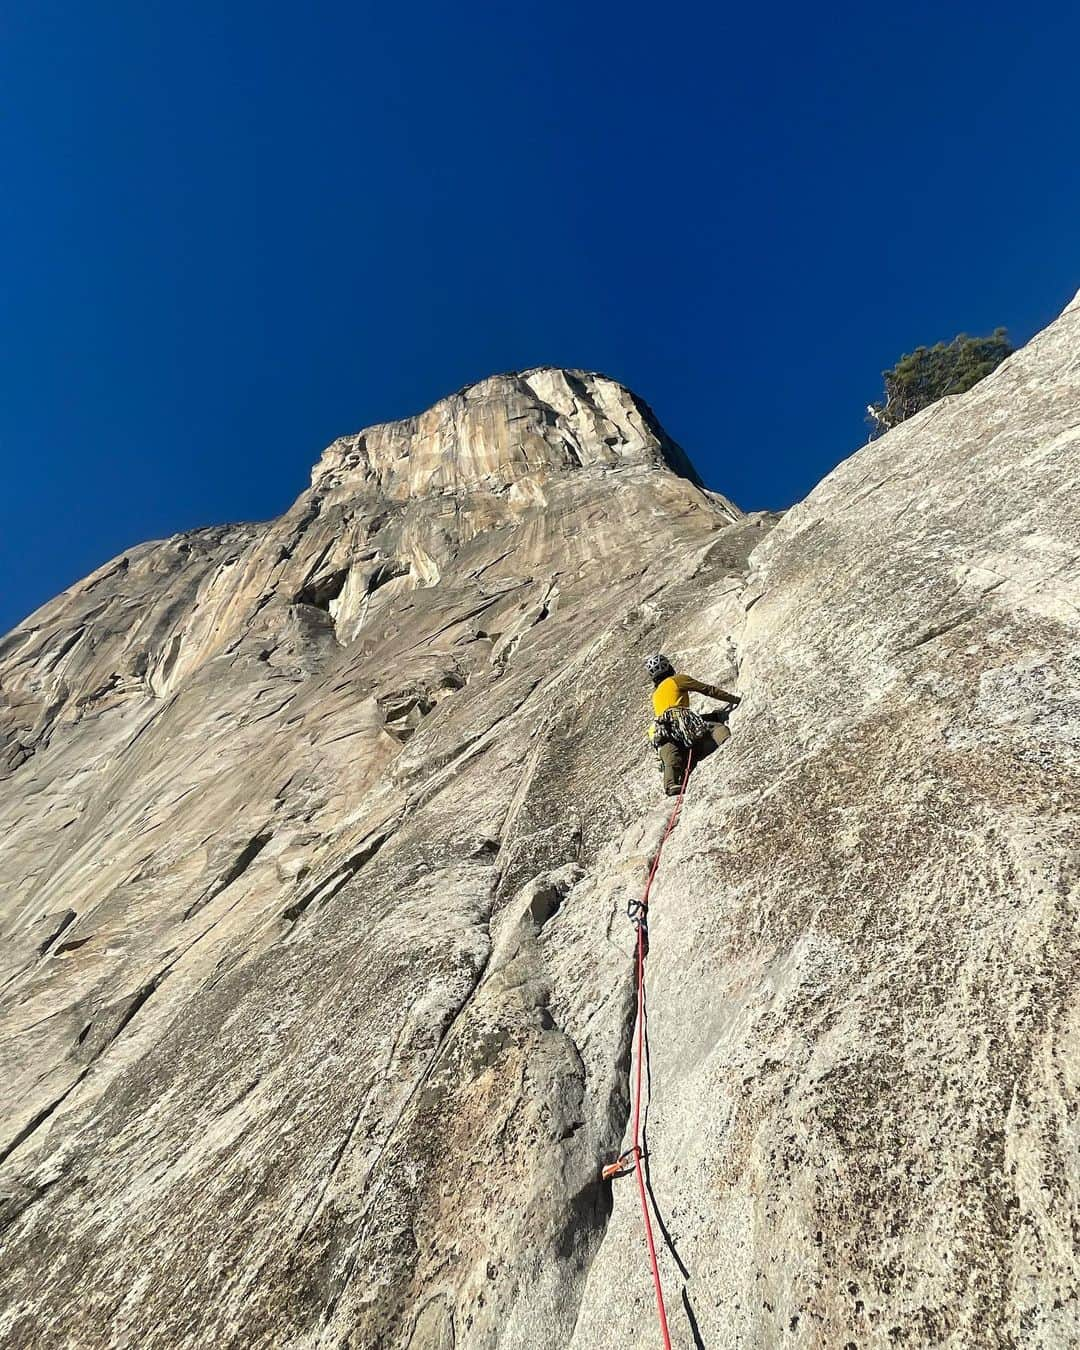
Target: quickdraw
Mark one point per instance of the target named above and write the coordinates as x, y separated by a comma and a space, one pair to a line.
622, 1166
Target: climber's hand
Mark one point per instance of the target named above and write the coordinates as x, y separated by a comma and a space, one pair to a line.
734, 701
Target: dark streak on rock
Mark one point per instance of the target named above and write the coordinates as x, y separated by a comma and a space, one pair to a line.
236, 869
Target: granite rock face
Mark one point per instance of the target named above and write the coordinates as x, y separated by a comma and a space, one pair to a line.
317, 995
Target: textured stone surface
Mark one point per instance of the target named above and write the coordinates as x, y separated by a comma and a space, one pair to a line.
864, 974
317, 838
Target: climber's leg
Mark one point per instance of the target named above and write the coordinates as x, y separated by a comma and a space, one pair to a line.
673, 759
720, 732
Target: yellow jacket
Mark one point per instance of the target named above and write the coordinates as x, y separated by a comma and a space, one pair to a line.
675, 691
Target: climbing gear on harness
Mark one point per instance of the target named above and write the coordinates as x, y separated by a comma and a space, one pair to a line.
678, 726
659, 667
632, 1158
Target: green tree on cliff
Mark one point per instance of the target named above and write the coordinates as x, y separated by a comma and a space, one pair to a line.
929, 373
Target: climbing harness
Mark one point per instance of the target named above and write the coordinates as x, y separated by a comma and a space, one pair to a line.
678, 726
638, 913
681, 727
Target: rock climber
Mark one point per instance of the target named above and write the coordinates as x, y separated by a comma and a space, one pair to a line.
676, 728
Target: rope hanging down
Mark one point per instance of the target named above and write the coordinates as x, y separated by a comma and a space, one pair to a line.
638, 911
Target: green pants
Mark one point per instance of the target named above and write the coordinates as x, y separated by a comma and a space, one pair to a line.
673, 758
673, 763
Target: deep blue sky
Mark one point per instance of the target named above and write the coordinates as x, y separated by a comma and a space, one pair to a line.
231, 231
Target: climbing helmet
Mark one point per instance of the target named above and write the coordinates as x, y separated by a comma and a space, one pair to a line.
659, 667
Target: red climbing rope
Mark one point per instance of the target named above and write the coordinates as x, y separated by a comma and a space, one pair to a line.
641, 909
